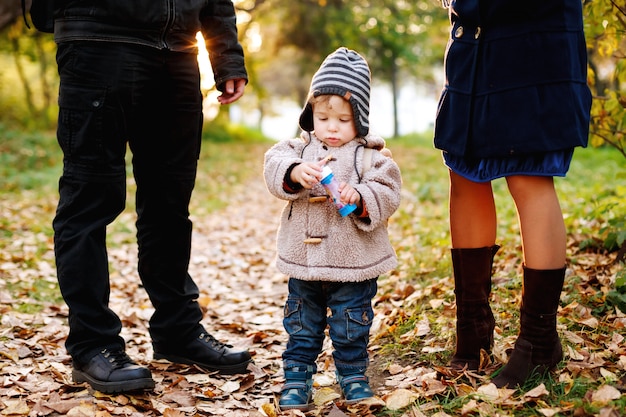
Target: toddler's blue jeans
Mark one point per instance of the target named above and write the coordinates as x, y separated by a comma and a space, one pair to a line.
346, 307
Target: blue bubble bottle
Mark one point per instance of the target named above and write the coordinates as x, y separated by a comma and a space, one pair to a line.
331, 185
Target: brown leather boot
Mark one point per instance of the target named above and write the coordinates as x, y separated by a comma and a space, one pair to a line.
538, 348
474, 319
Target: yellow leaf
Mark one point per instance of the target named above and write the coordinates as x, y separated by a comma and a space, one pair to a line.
463, 389
10, 354
325, 395
269, 410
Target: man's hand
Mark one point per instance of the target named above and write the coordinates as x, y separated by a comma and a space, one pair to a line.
233, 90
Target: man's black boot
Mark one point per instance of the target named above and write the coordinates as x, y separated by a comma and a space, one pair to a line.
207, 353
112, 372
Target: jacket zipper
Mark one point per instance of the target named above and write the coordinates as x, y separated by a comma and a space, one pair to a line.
168, 23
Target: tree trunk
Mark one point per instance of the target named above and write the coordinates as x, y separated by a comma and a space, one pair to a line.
395, 96
10, 11
28, 92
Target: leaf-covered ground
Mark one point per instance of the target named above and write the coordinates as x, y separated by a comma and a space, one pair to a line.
242, 294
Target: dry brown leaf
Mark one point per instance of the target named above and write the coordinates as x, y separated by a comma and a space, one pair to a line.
470, 406
336, 412
395, 369
230, 386
538, 391
432, 387
85, 409
173, 413
605, 393
399, 399
573, 337
489, 392
15, 407
549, 412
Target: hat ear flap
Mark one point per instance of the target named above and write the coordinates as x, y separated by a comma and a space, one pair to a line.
360, 120
306, 118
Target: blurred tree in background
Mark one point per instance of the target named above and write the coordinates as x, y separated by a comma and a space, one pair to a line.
402, 40
286, 40
29, 91
605, 28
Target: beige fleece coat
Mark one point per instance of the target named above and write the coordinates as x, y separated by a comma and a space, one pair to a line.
351, 249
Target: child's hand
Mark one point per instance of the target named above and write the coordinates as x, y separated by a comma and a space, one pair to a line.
349, 195
307, 174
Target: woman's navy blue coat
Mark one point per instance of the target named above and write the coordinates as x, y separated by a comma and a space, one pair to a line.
515, 79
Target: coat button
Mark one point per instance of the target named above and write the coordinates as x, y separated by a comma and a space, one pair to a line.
312, 240
477, 33
458, 32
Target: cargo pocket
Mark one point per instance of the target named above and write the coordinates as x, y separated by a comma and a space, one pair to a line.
359, 322
292, 320
82, 130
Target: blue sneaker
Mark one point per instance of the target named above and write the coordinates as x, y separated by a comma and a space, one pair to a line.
355, 387
297, 391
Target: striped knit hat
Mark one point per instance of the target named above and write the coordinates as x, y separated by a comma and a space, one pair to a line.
344, 73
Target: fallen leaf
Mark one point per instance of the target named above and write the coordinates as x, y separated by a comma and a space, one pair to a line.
470, 406
336, 412
604, 394
269, 410
395, 369
489, 391
15, 407
574, 354
230, 386
399, 399
324, 395
549, 412
538, 391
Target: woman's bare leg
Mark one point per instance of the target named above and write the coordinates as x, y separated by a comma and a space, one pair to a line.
472, 213
541, 221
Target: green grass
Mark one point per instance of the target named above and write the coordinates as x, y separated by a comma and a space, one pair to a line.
28, 161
